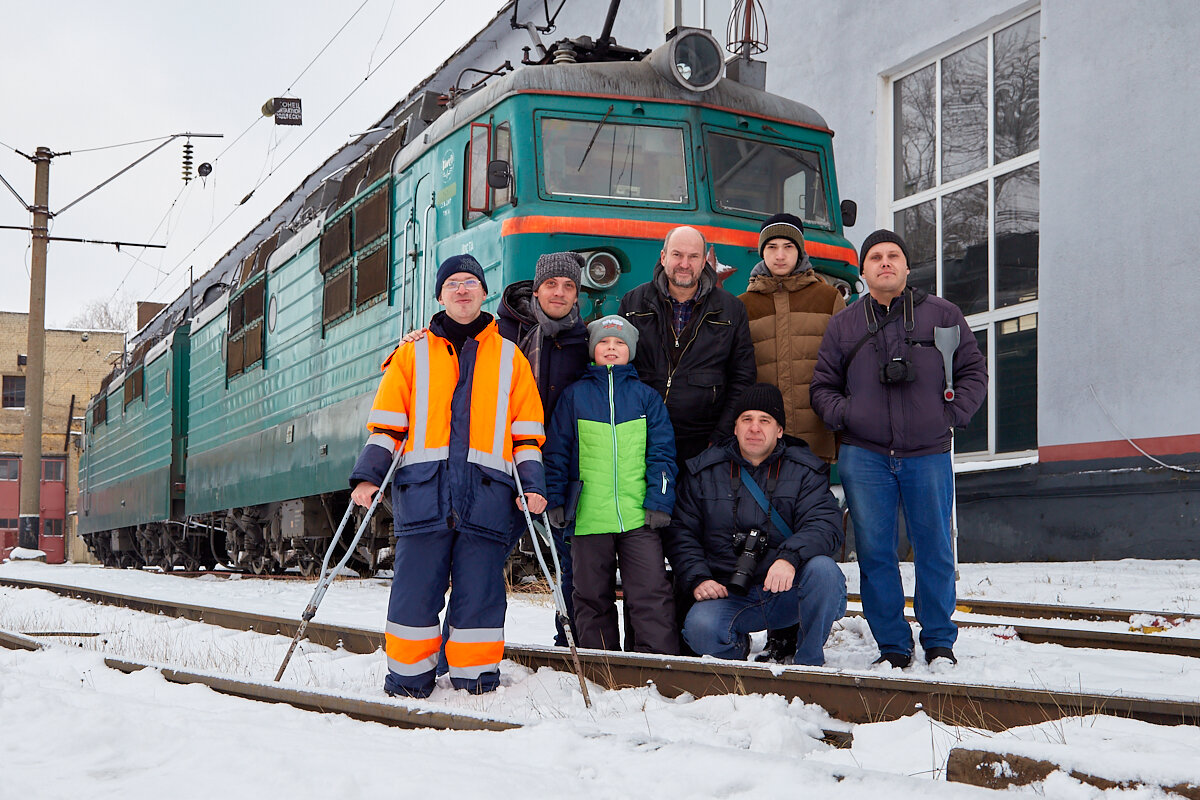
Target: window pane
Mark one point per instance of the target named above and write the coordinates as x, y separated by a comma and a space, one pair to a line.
965, 249
1017, 236
53, 470
964, 112
502, 152
974, 437
766, 178
625, 162
918, 227
477, 171
916, 127
1017, 54
14, 391
1016, 384
9, 469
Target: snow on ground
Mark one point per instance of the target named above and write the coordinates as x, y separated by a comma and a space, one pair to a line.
73, 728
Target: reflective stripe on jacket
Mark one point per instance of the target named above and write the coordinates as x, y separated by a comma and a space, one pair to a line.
466, 422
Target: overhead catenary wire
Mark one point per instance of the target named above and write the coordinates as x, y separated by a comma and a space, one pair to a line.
310, 134
77, 150
259, 118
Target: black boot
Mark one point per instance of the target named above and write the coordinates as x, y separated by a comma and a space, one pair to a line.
781, 645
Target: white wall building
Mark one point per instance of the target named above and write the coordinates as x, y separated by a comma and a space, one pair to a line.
1039, 159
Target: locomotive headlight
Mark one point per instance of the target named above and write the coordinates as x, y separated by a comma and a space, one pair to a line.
691, 59
601, 270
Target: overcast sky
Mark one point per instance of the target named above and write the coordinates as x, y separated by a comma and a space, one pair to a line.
83, 74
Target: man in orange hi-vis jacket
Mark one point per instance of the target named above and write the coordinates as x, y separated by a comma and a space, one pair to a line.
463, 406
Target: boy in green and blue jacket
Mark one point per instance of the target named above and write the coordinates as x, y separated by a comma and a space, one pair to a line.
611, 432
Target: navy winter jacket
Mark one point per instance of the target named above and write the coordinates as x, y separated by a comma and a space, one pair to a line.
898, 419
713, 504
564, 357
612, 432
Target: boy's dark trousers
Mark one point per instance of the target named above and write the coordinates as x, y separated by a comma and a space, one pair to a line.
649, 603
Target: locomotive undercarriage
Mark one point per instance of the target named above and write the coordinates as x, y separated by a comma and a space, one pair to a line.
269, 539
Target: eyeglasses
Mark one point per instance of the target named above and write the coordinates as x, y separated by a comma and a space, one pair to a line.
469, 283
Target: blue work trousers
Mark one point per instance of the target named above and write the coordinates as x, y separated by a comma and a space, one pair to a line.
876, 487
426, 565
817, 599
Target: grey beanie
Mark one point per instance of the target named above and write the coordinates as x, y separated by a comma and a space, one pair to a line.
613, 325
557, 265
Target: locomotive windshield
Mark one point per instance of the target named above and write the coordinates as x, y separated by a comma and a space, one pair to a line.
604, 160
763, 178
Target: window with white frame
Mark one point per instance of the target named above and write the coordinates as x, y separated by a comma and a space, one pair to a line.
965, 170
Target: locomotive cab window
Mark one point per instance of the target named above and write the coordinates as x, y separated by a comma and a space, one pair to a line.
479, 152
502, 150
608, 160
486, 144
750, 176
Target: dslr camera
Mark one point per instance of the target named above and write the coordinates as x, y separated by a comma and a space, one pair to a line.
752, 544
898, 370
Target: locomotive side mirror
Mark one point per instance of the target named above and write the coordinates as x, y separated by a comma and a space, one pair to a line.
849, 213
499, 174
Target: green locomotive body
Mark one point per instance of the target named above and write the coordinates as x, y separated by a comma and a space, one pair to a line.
273, 380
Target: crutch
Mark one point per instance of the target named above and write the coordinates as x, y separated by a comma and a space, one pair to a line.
560, 606
946, 341
327, 575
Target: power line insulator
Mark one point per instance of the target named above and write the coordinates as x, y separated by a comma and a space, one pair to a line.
187, 161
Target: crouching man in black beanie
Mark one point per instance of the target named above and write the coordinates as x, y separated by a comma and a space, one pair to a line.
753, 536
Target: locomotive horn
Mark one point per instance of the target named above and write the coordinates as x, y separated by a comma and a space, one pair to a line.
560, 606
328, 575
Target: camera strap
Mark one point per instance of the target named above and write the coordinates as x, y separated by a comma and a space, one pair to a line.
757, 493
911, 299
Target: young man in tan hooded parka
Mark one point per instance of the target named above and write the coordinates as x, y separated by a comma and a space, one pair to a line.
789, 307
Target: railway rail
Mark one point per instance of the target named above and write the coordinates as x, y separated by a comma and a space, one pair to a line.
1005, 608
391, 714
848, 697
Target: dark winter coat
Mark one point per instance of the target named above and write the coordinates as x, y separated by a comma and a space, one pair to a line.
701, 374
712, 504
611, 431
564, 357
899, 419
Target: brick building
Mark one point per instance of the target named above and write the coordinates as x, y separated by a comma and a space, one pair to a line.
76, 361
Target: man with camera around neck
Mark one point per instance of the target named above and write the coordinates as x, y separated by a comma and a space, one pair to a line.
753, 536
881, 382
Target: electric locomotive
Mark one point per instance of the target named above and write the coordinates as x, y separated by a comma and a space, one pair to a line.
229, 440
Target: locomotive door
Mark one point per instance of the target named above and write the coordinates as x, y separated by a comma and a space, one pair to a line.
410, 255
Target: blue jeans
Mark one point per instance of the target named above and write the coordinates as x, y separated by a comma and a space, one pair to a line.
816, 600
876, 486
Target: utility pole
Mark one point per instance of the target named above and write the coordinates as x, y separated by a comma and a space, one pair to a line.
29, 525
35, 365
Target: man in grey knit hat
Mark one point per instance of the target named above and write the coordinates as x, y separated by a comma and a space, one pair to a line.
542, 317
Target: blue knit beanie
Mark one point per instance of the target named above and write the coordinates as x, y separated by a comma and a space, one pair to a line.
453, 264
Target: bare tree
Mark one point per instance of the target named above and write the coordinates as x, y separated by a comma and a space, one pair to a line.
117, 313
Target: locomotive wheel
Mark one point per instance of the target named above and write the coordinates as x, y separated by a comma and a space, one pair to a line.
261, 565
308, 566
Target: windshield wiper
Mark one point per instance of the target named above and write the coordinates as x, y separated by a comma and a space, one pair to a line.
595, 133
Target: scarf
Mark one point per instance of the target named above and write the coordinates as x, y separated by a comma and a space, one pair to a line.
546, 328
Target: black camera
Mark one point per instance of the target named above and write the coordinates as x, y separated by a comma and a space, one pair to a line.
753, 545
898, 370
